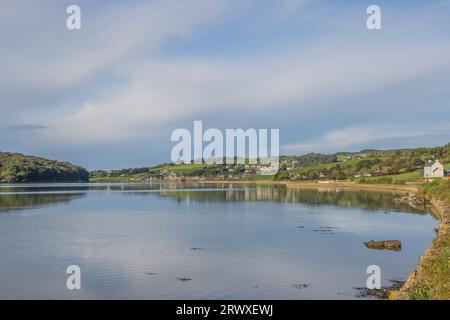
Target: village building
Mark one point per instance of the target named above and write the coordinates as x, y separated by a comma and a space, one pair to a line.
433, 169
265, 171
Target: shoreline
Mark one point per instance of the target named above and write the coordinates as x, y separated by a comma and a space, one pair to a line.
332, 185
416, 278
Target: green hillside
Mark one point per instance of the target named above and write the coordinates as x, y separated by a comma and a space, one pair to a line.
16, 167
398, 166
367, 166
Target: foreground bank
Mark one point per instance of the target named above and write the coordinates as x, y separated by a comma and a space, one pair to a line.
431, 280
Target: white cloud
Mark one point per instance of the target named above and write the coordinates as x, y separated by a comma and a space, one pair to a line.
340, 139
159, 93
154, 92
63, 58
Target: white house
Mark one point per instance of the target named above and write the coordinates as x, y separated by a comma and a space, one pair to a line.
433, 169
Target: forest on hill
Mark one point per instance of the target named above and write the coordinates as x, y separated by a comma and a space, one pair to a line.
16, 167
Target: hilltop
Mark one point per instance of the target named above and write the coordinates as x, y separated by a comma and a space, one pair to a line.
17, 167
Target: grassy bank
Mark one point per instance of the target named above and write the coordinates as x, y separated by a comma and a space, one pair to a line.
431, 281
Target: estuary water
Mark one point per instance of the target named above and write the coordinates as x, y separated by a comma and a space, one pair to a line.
203, 241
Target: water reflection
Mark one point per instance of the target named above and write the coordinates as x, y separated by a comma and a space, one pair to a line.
20, 202
18, 197
368, 200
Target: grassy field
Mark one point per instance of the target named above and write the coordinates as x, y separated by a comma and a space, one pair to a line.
343, 164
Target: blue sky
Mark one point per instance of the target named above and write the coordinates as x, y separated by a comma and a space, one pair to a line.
110, 94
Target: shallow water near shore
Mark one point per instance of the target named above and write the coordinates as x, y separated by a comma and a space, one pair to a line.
181, 241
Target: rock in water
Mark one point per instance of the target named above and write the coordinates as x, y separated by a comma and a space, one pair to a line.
395, 245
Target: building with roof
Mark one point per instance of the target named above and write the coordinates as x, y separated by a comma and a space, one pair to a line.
433, 169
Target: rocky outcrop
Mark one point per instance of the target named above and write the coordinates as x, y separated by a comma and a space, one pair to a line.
413, 200
395, 245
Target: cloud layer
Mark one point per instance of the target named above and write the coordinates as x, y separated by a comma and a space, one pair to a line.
135, 72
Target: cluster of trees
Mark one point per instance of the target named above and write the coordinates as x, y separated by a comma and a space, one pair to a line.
160, 170
442, 153
204, 171
118, 173
368, 167
310, 159
16, 167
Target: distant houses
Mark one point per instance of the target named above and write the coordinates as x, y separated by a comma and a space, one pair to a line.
433, 169
266, 171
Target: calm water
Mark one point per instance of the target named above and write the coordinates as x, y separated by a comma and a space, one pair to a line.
233, 242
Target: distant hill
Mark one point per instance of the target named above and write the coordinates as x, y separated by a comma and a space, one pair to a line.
16, 167
369, 166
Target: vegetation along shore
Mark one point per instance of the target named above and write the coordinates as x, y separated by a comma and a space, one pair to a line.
431, 280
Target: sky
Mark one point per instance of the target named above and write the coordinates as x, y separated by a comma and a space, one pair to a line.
110, 95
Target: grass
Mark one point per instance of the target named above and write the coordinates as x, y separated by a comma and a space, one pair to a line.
433, 277
439, 189
343, 164
434, 284
263, 177
401, 178
184, 168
